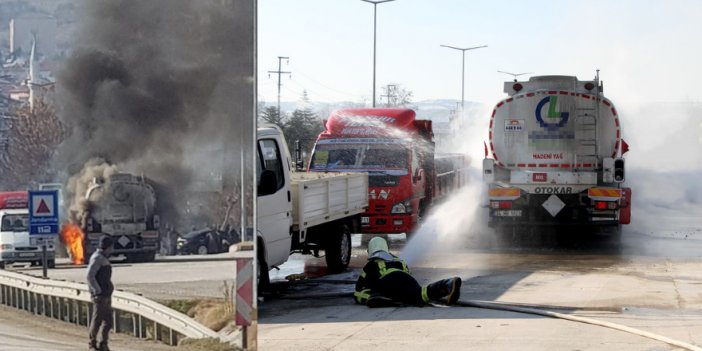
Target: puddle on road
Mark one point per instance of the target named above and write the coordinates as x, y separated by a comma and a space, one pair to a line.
299, 265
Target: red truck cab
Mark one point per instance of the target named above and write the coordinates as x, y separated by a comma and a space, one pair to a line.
397, 152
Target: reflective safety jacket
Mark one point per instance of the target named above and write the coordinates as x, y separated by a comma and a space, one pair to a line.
374, 270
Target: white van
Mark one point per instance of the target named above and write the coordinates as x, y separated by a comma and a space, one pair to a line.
16, 245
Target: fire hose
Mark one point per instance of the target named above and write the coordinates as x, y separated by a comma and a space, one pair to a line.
528, 310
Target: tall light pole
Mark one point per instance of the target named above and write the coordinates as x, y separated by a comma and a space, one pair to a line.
375, 25
463, 71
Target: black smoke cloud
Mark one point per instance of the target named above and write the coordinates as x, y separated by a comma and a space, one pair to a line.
159, 87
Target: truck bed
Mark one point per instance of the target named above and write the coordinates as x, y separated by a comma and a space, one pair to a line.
324, 197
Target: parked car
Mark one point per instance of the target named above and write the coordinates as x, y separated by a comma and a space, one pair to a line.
203, 242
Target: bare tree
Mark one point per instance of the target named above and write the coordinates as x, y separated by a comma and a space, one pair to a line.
396, 96
28, 145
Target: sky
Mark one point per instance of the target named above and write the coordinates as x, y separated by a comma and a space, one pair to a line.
646, 50
649, 54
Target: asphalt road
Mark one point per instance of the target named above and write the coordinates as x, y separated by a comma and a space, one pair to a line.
169, 278
21, 331
651, 279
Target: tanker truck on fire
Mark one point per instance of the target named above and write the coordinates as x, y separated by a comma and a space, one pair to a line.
124, 207
556, 156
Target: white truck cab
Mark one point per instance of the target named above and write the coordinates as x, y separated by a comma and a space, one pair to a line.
303, 212
16, 245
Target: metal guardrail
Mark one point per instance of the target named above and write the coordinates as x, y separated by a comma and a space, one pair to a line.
70, 302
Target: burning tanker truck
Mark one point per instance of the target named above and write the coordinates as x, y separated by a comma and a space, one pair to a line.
557, 157
123, 206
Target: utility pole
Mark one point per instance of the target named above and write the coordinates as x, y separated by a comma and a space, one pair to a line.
280, 72
390, 90
463, 70
375, 25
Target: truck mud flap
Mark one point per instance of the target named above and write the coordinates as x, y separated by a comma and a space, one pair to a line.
625, 209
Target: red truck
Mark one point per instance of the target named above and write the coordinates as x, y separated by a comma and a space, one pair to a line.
406, 176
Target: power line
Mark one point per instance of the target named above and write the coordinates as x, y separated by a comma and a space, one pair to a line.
299, 72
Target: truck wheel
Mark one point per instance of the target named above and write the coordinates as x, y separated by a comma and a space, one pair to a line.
611, 235
338, 249
148, 257
2, 264
51, 263
264, 279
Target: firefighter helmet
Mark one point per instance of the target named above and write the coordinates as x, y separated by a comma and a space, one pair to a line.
377, 244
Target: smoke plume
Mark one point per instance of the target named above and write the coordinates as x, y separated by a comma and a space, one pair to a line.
161, 88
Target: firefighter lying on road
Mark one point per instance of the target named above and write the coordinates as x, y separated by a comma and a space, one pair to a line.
385, 281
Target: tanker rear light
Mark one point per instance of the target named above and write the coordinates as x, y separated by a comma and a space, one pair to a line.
589, 86
606, 205
502, 205
517, 87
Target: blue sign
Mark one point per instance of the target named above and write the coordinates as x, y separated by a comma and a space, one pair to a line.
559, 118
43, 212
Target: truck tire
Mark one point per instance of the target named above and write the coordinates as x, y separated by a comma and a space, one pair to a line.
264, 279
51, 263
149, 257
338, 249
611, 234
2, 264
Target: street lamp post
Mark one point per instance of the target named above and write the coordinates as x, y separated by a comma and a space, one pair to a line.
463, 70
375, 24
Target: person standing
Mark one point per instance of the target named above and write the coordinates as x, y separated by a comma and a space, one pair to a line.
101, 288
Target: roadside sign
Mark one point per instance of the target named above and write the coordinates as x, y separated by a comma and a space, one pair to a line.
43, 212
243, 299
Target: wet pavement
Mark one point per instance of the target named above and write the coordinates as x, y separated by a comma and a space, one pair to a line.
649, 278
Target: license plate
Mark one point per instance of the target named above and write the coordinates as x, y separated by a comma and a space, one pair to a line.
26, 254
508, 213
365, 220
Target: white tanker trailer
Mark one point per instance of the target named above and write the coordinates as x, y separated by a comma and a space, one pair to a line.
556, 156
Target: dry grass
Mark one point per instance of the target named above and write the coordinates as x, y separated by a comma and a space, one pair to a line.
208, 344
212, 313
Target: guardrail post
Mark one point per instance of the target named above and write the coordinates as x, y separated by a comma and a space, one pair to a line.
115, 321
157, 331
142, 327
172, 337
52, 306
71, 311
88, 314
60, 308
134, 325
33, 305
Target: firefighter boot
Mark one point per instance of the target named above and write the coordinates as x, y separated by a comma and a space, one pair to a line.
92, 346
103, 347
448, 288
377, 300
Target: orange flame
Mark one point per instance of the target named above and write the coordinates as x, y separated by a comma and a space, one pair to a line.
72, 235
